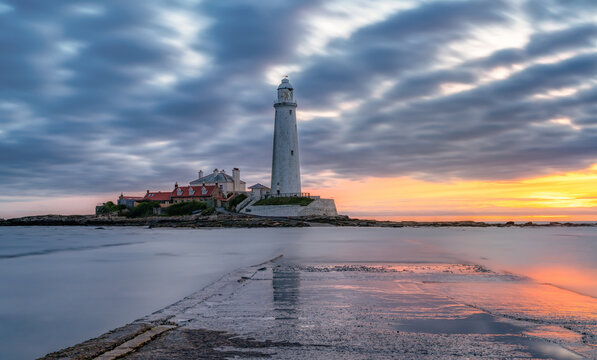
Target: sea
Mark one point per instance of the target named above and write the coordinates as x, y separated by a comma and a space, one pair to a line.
60, 286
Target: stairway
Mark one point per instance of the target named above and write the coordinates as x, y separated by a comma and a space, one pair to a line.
245, 204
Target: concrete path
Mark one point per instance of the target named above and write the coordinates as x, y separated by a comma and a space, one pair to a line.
135, 343
370, 311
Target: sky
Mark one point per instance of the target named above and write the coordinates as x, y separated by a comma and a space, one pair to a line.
440, 110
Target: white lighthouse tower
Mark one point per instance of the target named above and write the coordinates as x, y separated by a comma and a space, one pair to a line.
286, 172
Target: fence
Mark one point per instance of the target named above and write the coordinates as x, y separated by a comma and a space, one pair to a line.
283, 195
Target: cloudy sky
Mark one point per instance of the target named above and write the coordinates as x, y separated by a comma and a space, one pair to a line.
406, 108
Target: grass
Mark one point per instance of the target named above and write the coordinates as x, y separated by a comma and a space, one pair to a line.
294, 200
184, 208
237, 200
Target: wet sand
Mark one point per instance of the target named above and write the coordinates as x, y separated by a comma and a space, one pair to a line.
285, 310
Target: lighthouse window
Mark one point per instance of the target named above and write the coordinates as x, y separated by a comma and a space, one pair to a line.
291, 152
290, 112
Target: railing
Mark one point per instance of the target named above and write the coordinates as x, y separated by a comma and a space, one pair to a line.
243, 203
283, 195
293, 101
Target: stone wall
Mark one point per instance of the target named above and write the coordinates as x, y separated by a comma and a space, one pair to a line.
320, 207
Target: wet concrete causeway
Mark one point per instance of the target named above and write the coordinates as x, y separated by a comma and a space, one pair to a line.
364, 311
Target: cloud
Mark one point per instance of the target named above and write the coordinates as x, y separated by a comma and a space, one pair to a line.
113, 96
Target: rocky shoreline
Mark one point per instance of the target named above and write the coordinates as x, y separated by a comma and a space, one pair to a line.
192, 221
247, 221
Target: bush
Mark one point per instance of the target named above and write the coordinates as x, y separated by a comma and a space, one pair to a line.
109, 208
144, 209
185, 208
293, 200
209, 211
237, 200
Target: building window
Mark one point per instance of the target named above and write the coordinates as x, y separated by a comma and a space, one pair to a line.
291, 152
290, 112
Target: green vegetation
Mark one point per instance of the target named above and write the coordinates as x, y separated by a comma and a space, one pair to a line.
237, 200
294, 200
185, 208
143, 209
109, 208
209, 211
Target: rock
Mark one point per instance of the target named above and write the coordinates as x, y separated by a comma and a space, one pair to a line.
243, 221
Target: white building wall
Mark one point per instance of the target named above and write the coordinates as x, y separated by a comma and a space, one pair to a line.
319, 207
227, 187
258, 193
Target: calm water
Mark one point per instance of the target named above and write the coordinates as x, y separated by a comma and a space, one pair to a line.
62, 285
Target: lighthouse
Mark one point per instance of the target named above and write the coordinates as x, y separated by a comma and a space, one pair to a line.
286, 172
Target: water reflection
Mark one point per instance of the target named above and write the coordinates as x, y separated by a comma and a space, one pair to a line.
523, 299
478, 323
581, 280
285, 284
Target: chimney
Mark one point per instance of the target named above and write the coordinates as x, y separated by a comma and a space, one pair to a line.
223, 171
236, 178
216, 172
200, 174
176, 185
148, 191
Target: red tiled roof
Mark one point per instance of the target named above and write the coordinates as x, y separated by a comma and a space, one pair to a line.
158, 196
194, 191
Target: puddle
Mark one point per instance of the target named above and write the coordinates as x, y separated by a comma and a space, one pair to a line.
483, 323
539, 348
479, 323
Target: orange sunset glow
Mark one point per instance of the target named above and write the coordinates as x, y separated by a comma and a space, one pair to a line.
568, 196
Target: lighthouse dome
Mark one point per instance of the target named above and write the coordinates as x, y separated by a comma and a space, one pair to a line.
285, 84
286, 92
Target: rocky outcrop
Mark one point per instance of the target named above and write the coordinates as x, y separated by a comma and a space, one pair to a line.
219, 220
342, 220
229, 221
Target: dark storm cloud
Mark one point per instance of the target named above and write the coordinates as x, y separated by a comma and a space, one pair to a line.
248, 35
493, 131
559, 10
405, 42
82, 108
